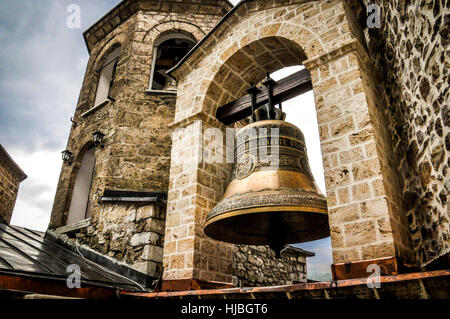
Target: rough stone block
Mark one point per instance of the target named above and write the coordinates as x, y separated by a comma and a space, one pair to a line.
144, 238
360, 233
153, 253
145, 212
361, 191
344, 214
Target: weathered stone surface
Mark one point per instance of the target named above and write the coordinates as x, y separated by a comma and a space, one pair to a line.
343, 214
10, 177
359, 233
417, 99
257, 266
145, 212
383, 116
153, 253
137, 143
143, 238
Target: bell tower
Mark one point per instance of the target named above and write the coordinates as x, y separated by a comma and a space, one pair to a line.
113, 185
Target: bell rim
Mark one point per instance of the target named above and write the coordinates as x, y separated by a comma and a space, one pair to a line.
214, 224
280, 195
265, 209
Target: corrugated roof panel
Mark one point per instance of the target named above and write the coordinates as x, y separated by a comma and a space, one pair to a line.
28, 253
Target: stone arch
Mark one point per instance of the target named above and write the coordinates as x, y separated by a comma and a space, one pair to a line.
82, 150
112, 44
78, 157
320, 35
306, 38
158, 32
311, 43
98, 59
156, 78
247, 65
302, 41
173, 26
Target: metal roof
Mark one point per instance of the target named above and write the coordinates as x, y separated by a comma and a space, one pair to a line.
26, 253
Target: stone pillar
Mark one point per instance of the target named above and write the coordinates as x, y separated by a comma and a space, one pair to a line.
359, 203
190, 258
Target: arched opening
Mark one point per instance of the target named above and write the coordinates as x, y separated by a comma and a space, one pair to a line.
281, 57
168, 50
301, 111
79, 204
107, 75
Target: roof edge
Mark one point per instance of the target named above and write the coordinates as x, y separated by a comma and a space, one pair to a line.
15, 166
298, 250
103, 261
111, 11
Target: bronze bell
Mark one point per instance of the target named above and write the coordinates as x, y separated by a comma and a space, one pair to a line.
272, 198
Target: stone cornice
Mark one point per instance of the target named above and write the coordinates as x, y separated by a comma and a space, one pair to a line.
228, 21
125, 9
4, 156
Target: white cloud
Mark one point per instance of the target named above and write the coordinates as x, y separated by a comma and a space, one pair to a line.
36, 193
42, 64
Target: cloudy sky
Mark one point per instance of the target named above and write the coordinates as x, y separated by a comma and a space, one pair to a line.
42, 62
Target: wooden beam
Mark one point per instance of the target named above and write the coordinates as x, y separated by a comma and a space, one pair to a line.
403, 284
285, 89
191, 284
73, 227
358, 269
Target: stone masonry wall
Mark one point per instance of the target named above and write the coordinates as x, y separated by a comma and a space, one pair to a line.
262, 37
257, 266
129, 233
411, 50
137, 143
9, 187
137, 146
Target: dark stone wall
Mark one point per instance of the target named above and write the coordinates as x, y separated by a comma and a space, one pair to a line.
257, 266
9, 187
411, 54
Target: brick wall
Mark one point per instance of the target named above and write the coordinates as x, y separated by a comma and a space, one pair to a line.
129, 233
257, 266
10, 177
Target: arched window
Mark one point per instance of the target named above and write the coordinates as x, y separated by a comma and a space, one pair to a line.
107, 74
168, 51
79, 205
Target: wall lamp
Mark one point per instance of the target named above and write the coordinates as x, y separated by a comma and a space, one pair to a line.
97, 138
67, 156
